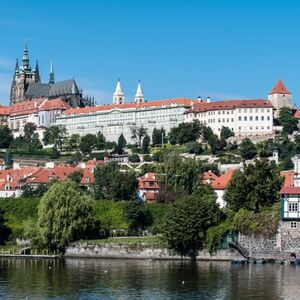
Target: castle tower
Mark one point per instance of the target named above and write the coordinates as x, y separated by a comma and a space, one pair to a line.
139, 97
118, 97
22, 77
280, 97
51, 75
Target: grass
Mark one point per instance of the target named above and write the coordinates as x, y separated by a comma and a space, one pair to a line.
151, 241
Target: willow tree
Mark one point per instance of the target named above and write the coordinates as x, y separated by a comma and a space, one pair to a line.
64, 215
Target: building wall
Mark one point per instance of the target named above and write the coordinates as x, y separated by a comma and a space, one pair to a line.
280, 100
242, 121
116, 121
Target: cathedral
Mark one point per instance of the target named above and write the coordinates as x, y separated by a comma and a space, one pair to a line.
27, 85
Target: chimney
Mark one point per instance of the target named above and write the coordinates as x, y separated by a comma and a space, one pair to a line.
199, 99
208, 99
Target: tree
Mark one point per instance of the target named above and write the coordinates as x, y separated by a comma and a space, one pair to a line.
194, 148
226, 133
138, 216
76, 176
145, 144
100, 141
134, 158
4, 230
54, 135
6, 137
287, 120
119, 149
112, 184
73, 142
87, 142
258, 186
8, 159
138, 134
159, 137
187, 220
29, 130
64, 215
247, 149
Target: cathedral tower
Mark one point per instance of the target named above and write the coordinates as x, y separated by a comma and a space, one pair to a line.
118, 97
22, 77
280, 97
139, 96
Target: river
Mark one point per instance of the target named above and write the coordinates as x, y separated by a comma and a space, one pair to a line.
145, 279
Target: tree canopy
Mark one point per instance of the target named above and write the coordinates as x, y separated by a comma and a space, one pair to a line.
6, 137
287, 120
258, 186
247, 149
64, 215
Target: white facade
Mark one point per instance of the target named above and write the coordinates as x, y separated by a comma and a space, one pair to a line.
112, 120
243, 117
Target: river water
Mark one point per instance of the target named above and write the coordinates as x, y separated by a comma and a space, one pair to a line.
145, 279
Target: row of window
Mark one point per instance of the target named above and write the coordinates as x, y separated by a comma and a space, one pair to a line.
256, 118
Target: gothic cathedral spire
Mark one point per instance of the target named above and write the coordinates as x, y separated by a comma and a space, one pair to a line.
51, 75
37, 72
25, 59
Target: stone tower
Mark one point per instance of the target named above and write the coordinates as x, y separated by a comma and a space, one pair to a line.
139, 96
118, 97
280, 97
23, 76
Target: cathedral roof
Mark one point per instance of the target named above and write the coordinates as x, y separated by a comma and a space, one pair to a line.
40, 90
279, 88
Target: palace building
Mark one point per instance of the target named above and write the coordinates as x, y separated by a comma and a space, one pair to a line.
27, 85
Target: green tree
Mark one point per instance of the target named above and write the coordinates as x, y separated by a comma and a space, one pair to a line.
119, 149
64, 215
134, 158
257, 187
138, 134
226, 133
247, 149
76, 176
4, 230
159, 137
29, 130
87, 142
187, 221
145, 144
6, 137
54, 135
138, 216
8, 159
100, 141
287, 120
194, 148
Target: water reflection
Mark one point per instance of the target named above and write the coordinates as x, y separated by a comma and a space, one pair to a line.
144, 279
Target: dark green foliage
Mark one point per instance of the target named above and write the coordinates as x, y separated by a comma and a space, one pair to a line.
134, 158
76, 176
147, 158
145, 144
187, 221
138, 217
54, 135
226, 133
247, 149
264, 148
138, 134
100, 141
87, 142
76, 157
72, 142
112, 184
119, 149
64, 215
54, 153
38, 192
4, 230
257, 187
6, 137
159, 137
8, 159
194, 148
287, 120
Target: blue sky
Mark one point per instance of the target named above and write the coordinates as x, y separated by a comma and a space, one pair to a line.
222, 49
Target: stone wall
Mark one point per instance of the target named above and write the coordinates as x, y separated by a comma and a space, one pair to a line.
290, 237
141, 252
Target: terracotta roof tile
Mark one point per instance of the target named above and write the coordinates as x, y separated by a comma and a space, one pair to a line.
289, 190
222, 182
4, 110
279, 88
288, 178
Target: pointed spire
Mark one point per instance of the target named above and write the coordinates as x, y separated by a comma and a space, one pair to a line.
139, 96
17, 67
37, 72
118, 97
51, 75
279, 88
26, 57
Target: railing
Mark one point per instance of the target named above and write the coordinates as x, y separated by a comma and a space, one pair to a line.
244, 252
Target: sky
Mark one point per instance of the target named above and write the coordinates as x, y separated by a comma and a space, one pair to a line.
178, 48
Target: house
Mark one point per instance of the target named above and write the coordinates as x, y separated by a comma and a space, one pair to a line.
4, 114
220, 185
148, 188
208, 177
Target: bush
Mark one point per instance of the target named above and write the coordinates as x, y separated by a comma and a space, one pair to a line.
194, 148
147, 157
134, 158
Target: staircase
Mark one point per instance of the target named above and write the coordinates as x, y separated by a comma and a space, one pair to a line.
244, 252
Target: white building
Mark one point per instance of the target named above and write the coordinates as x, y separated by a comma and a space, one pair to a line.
41, 112
243, 117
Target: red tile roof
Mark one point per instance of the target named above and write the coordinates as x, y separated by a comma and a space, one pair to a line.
4, 110
290, 190
297, 114
229, 104
88, 177
148, 181
279, 88
33, 106
209, 175
288, 178
156, 103
222, 182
